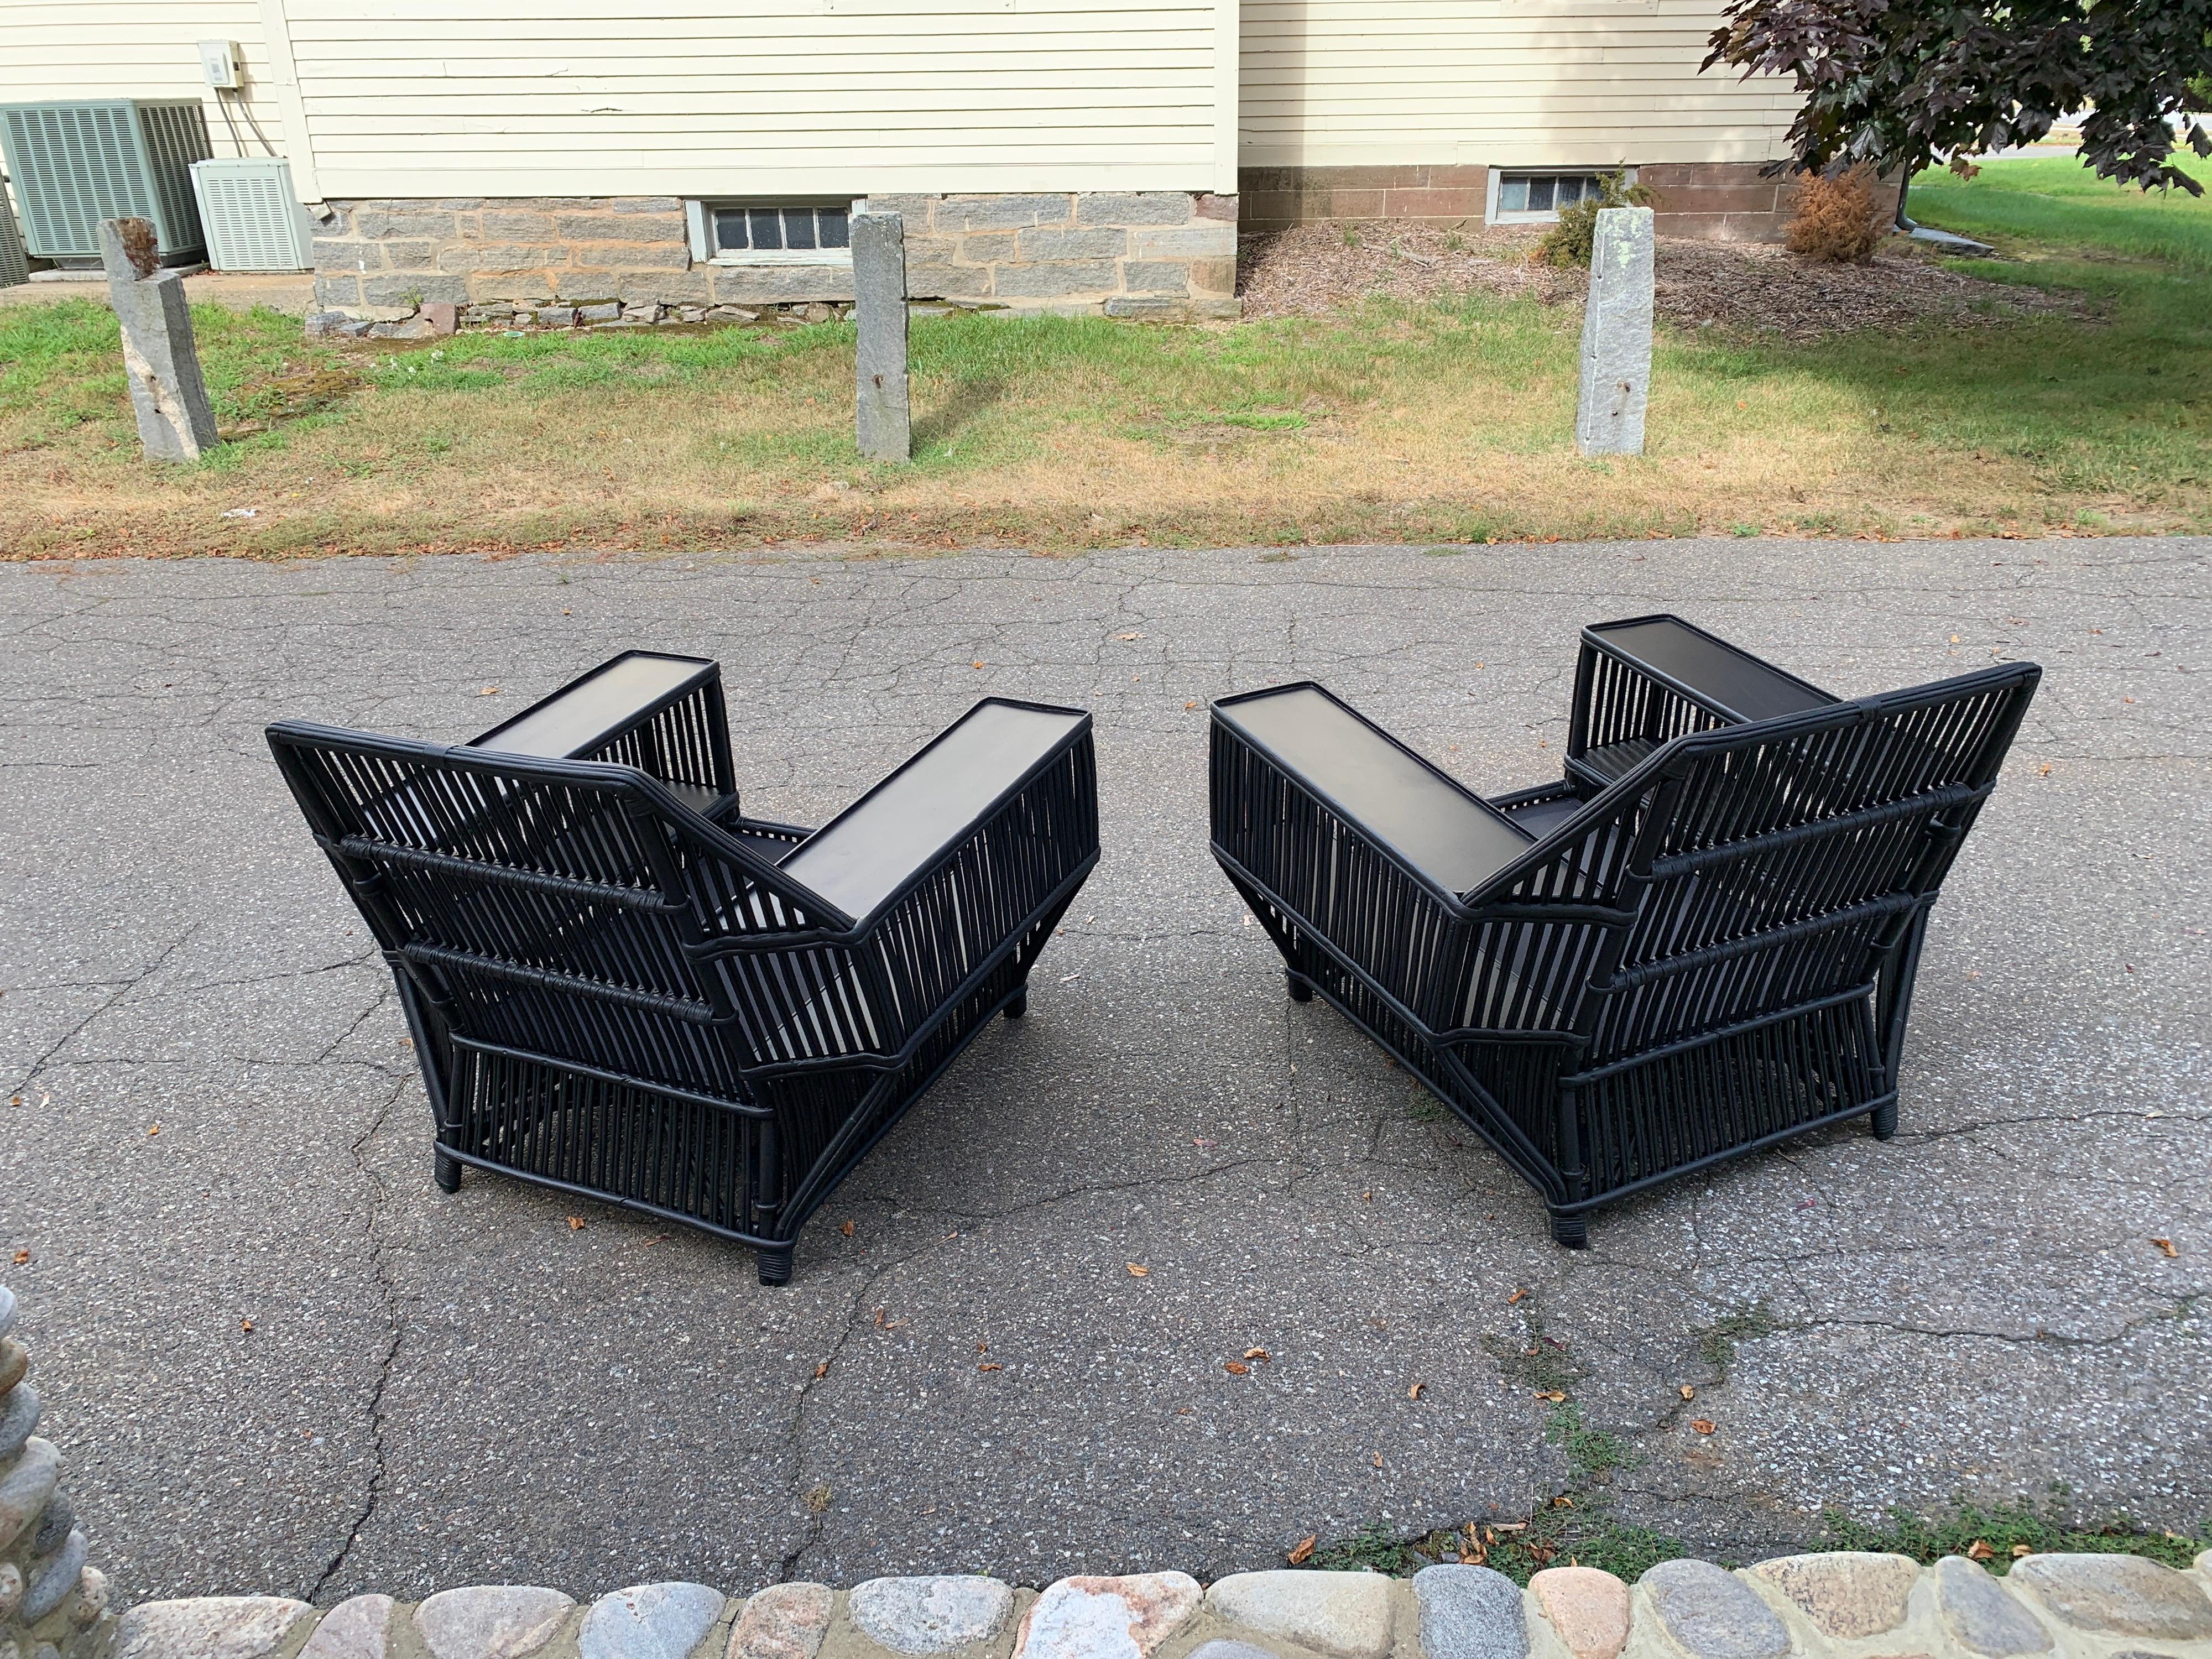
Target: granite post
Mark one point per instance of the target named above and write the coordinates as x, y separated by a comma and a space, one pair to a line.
1617, 336
176, 420
880, 412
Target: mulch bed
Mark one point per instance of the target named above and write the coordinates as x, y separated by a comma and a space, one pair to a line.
1738, 285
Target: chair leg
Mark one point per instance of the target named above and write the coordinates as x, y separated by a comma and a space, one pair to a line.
446, 1171
1570, 1231
776, 1266
1883, 1121
1020, 1004
1301, 987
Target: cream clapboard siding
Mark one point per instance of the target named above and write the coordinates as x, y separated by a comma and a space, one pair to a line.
503, 98
64, 48
1507, 82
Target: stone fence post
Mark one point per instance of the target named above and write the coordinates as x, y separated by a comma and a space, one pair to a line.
52, 1605
1617, 336
176, 420
880, 413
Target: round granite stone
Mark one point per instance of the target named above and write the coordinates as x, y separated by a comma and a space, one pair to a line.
929, 1615
1710, 1614
1470, 1612
1847, 1593
1980, 1616
2119, 1595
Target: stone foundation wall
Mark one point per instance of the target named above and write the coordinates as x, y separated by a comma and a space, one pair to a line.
1158, 254
1717, 201
1276, 197
1731, 202
1164, 254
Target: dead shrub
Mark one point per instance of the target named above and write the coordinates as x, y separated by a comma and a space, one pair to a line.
1836, 221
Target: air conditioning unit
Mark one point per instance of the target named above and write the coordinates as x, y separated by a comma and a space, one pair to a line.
75, 164
14, 267
252, 218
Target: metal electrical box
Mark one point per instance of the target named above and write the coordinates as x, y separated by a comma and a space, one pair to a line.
251, 215
72, 165
218, 65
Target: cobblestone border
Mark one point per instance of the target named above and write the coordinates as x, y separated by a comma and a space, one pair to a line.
1841, 1605
53, 1604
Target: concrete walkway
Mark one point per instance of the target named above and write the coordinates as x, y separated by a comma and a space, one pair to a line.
435, 1391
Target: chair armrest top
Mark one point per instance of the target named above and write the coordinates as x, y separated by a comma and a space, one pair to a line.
1446, 834
875, 846
1725, 679
583, 715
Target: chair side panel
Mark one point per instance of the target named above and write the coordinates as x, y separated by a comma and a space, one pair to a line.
676, 1155
982, 895
1704, 1100
1325, 870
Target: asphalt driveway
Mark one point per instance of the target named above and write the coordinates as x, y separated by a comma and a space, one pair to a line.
219, 1126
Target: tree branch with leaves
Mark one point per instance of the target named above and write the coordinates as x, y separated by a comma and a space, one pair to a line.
1898, 83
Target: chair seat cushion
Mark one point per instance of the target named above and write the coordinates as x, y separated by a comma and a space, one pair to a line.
1538, 818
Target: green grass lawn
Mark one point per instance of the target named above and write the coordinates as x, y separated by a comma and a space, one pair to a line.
2055, 203
1447, 421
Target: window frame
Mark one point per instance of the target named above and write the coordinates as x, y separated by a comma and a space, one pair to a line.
1493, 214
698, 221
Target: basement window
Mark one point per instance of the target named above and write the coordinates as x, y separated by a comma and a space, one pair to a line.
1529, 198
771, 233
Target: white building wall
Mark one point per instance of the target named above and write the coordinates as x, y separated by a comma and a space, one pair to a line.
63, 49
1505, 83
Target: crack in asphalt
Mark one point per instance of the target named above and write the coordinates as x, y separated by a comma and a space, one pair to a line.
381, 1272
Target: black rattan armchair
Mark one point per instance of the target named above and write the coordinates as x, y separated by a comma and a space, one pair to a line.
1700, 941
619, 985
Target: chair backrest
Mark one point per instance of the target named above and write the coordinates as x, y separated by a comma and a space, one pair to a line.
558, 906
1753, 869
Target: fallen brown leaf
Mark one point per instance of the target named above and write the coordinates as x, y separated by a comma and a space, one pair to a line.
847, 1230
1979, 1550
1302, 1552
1417, 1390
978, 663
1704, 1425
2166, 1245
155, 1130
1189, 706
489, 691
1235, 1368
576, 1224
1139, 1272
1257, 1354
2019, 1550
1557, 1397
1128, 636
988, 1366
246, 1325
1688, 1393
1515, 1297
822, 1371
22, 1256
